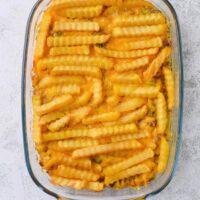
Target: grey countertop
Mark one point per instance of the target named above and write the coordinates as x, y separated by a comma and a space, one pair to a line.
15, 183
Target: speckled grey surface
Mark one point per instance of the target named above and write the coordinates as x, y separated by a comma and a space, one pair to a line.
15, 183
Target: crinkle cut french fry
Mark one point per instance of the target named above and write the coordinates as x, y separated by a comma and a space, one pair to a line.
76, 40
142, 44
77, 70
112, 101
130, 104
128, 4
139, 20
37, 131
134, 115
76, 26
135, 64
66, 145
164, 155
119, 138
60, 123
62, 89
125, 54
42, 35
161, 113
73, 173
73, 183
107, 160
140, 91
169, 83
79, 114
58, 51
113, 130
57, 4
106, 148
55, 104
104, 117
80, 101
140, 31
139, 169
79, 60
45, 119
126, 78
62, 158
49, 81
135, 159
83, 12
97, 90
156, 64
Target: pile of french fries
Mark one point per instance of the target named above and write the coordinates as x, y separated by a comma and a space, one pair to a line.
103, 93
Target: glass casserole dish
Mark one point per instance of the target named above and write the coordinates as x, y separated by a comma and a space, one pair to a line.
35, 171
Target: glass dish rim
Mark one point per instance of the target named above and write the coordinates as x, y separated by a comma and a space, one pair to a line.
23, 108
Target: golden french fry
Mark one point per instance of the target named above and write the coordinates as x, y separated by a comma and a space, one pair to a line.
79, 60
76, 26
106, 148
156, 64
58, 51
45, 119
138, 20
139, 169
161, 113
112, 101
93, 132
169, 83
130, 104
97, 93
132, 91
127, 182
57, 4
104, 117
69, 172
49, 81
119, 138
125, 54
62, 89
42, 35
134, 115
126, 78
164, 155
83, 12
55, 104
73, 183
134, 160
79, 114
77, 70
140, 31
76, 40
36, 127
71, 144
135, 64
60, 123
142, 44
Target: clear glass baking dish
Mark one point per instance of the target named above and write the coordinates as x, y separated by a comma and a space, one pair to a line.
35, 171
